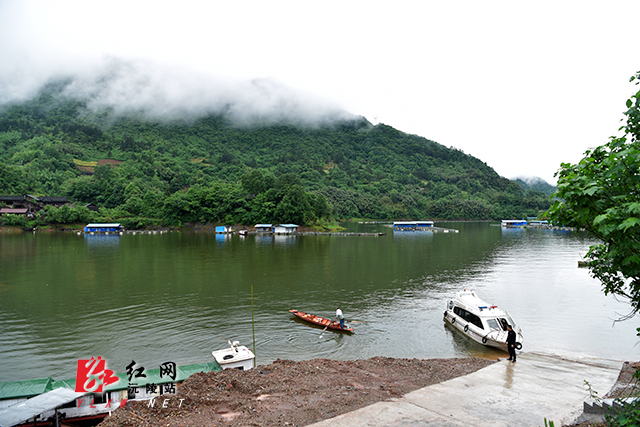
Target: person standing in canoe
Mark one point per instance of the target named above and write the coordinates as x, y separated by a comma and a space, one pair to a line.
340, 317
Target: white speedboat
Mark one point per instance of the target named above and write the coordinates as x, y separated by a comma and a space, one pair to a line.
482, 322
235, 357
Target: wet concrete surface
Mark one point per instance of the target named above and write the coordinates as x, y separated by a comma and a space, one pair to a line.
518, 394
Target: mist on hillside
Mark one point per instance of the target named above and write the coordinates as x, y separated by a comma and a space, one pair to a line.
531, 180
535, 183
169, 93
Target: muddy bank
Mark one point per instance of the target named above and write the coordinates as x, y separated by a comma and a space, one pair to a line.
288, 393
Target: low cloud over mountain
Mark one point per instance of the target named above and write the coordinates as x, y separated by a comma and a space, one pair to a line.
168, 92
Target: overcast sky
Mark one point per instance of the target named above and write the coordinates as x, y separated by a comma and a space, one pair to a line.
523, 86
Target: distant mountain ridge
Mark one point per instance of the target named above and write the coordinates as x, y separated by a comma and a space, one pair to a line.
210, 169
535, 184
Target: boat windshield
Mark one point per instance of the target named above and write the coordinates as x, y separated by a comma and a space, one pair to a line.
493, 324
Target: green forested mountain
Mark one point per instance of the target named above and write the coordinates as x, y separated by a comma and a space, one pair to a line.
208, 169
536, 184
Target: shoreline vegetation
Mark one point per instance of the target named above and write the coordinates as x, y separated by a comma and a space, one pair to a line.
140, 171
79, 228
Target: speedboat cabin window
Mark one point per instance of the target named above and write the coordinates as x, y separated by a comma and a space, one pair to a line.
493, 324
469, 317
476, 321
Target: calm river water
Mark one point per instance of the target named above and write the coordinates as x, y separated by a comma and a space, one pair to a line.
178, 296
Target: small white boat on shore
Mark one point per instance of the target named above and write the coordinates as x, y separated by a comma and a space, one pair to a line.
484, 323
235, 357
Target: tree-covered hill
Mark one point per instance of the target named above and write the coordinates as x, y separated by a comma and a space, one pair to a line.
536, 184
209, 169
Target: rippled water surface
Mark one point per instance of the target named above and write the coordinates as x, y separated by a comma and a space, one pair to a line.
178, 296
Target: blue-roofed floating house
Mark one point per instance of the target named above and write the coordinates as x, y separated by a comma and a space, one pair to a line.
514, 222
103, 228
403, 225
423, 224
412, 225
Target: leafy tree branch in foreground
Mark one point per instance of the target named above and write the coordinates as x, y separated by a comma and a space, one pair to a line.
601, 194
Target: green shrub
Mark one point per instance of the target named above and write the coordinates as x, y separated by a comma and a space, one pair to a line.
17, 220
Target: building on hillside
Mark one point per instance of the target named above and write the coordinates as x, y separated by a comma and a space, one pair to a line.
57, 202
32, 204
285, 228
27, 213
18, 202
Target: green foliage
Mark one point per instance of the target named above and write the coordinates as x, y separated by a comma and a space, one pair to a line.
293, 206
133, 223
254, 181
627, 416
15, 220
209, 170
65, 215
592, 393
627, 413
601, 194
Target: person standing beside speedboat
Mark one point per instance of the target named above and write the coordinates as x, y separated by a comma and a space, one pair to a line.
511, 343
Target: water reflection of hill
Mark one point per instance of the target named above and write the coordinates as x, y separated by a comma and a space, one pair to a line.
416, 234
275, 239
102, 240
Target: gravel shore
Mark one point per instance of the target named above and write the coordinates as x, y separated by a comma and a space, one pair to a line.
288, 393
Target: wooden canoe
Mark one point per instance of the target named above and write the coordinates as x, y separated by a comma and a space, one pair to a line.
320, 321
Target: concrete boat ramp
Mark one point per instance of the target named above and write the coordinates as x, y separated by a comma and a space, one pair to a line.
518, 394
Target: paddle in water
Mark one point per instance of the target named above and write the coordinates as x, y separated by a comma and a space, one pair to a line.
325, 328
